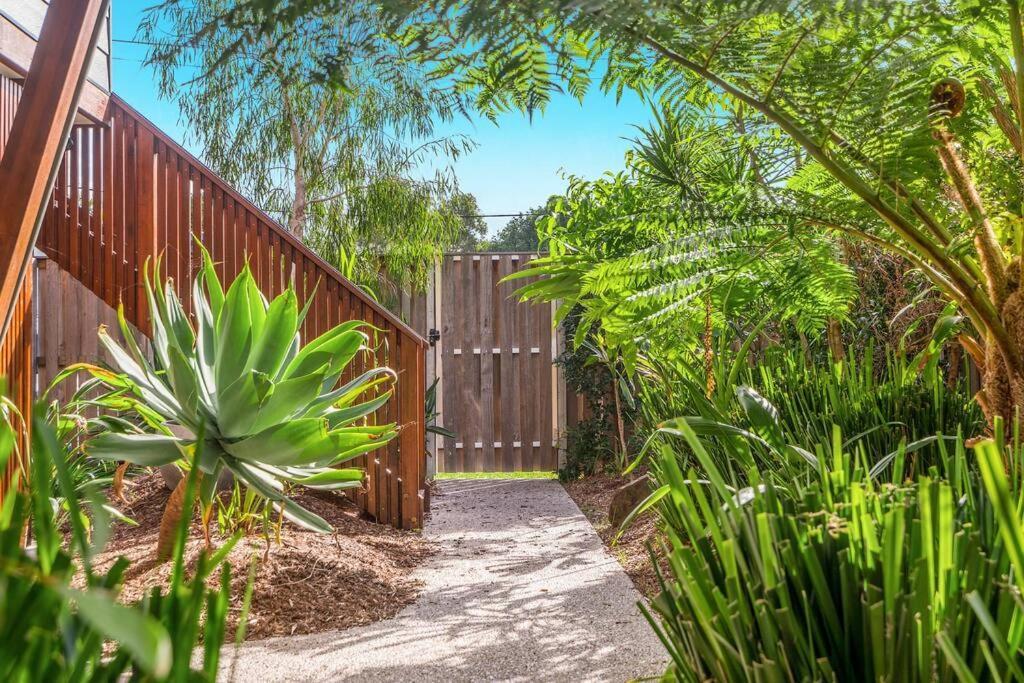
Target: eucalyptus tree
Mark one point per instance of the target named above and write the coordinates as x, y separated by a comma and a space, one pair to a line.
335, 153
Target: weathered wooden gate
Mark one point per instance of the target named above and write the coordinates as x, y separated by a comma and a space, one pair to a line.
499, 392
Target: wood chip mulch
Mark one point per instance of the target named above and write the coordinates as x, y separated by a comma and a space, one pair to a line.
593, 495
308, 584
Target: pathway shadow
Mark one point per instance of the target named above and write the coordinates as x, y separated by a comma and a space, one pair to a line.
522, 589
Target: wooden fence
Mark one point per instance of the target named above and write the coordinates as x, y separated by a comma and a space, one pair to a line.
127, 193
66, 320
16, 347
16, 368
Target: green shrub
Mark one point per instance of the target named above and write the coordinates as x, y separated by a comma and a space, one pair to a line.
842, 578
51, 630
885, 405
790, 405
593, 444
587, 449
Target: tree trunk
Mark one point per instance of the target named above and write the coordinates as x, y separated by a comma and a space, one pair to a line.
300, 203
835, 340
297, 216
173, 511
1002, 390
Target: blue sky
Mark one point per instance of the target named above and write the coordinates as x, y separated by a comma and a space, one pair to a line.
516, 165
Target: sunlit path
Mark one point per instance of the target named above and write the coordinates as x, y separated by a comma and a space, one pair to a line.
521, 589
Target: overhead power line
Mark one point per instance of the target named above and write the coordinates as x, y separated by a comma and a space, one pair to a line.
129, 41
500, 215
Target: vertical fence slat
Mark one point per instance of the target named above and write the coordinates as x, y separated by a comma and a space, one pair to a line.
150, 194
85, 208
412, 436
132, 211
504, 343
485, 344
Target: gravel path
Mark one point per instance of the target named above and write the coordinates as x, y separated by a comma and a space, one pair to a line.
521, 590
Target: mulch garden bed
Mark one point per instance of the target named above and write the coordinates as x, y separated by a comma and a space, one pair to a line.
593, 495
308, 583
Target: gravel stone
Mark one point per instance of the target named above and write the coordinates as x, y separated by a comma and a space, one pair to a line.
521, 589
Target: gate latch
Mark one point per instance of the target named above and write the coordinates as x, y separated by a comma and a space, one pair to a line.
433, 336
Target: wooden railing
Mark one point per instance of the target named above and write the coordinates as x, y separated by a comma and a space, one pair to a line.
127, 193
16, 346
16, 369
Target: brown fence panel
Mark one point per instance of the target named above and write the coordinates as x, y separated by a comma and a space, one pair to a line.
16, 367
498, 382
67, 316
127, 193
16, 347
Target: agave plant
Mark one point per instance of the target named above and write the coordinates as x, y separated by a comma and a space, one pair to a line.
246, 394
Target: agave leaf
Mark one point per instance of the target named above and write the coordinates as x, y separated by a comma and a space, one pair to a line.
256, 301
280, 444
149, 450
208, 458
304, 441
235, 333
177, 321
150, 388
161, 342
372, 442
182, 378
210, 282
129, 339
271, 347
269, 488
330, 479
351, 390
344, 416
239, 405
108, 378
288, 399
206, 346
334, 348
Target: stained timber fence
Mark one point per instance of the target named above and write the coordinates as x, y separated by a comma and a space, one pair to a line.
16, 346
126, 193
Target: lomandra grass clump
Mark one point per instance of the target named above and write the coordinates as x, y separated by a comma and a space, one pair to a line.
60, 618
845, 578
